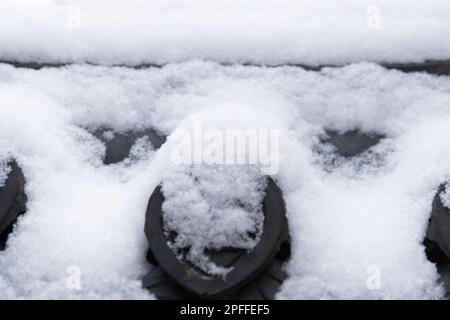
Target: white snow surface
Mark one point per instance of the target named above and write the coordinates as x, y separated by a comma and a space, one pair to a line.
211, 207
344, 222
271, 32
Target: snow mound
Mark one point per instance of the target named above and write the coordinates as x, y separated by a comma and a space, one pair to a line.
266, 32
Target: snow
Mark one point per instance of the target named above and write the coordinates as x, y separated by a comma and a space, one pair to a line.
445, 198
347, 222
266, 32
367, 161
212, 207
4, 171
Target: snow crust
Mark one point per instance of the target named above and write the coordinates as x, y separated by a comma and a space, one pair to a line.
347, 223
270, 32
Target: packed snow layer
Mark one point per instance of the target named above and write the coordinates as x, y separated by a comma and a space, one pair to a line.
356, 229
229, 31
